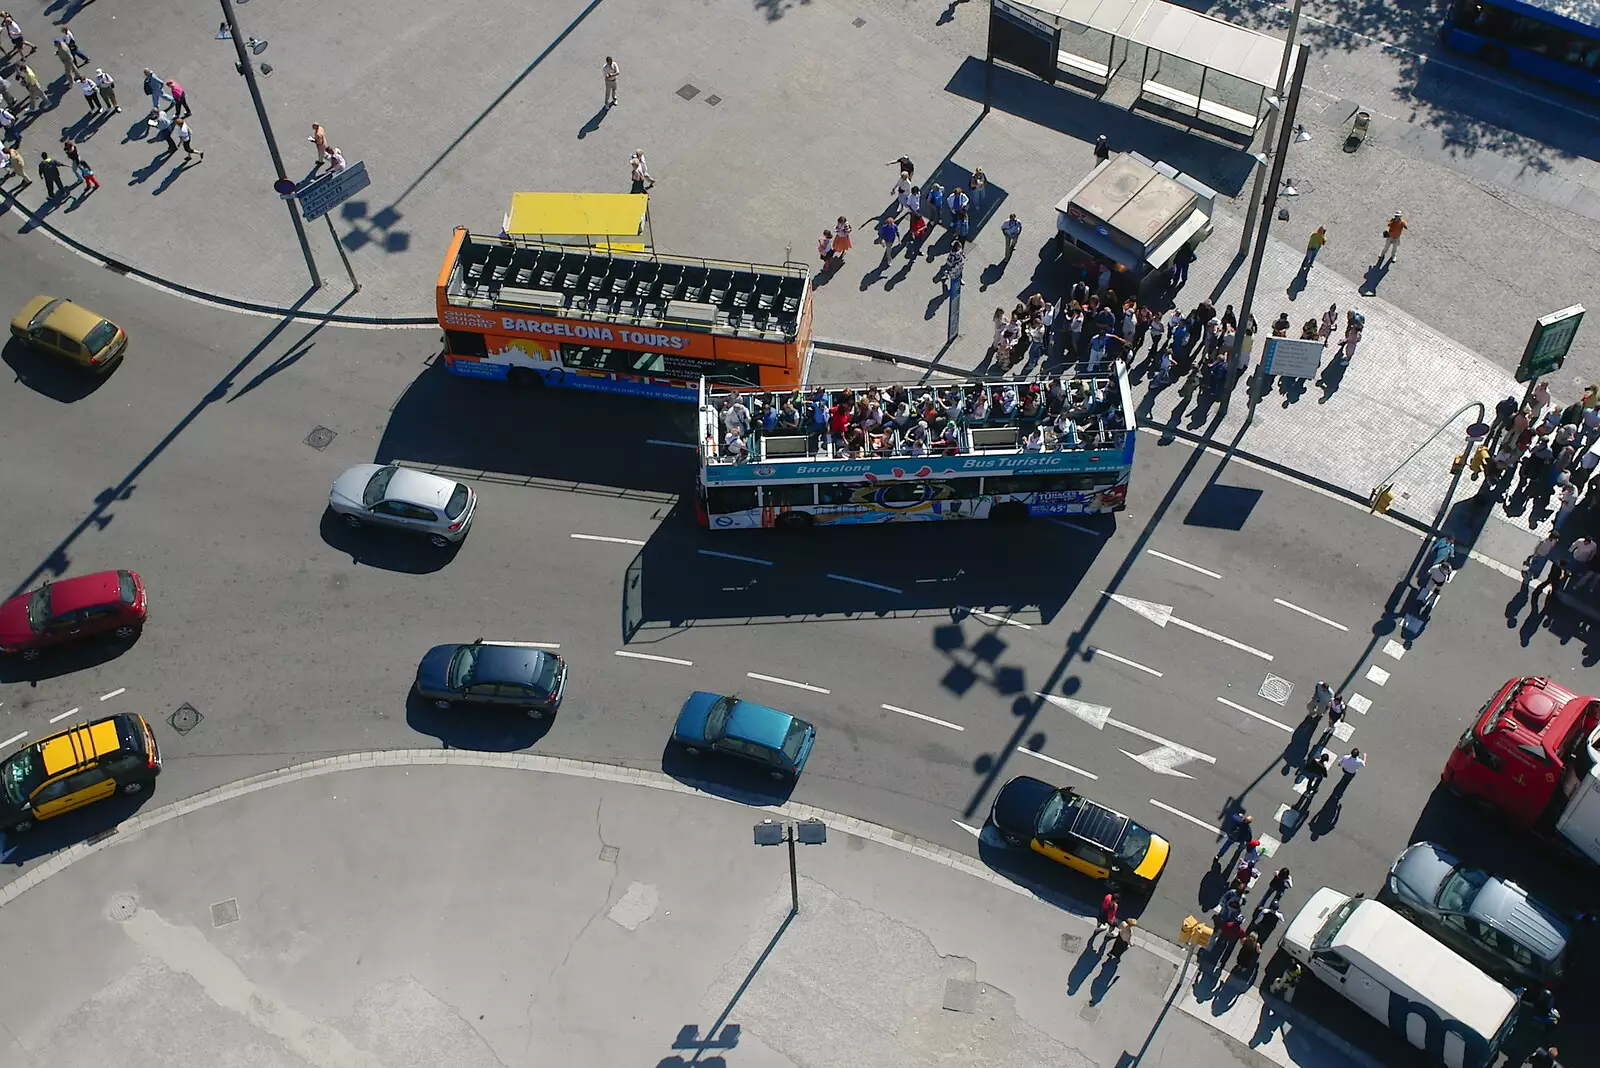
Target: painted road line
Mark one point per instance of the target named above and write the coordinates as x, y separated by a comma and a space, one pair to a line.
1074, 526
1161, 615
864, 582
735, 556
1394, 649
1191, 754
994, 618
1360, 702
786, 682
64, 715
1182, 815
13, 738
1182, 563
1343, 730
1058, 763
969, 828
524, 645
653, 656
1308, 612
113, 693
1099, 717
1257, 715
1163, 760
1377, 676
1095, 650
671, 444
925, 719
614, 541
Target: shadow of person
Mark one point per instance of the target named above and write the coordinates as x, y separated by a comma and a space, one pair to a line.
145, 173
1331, 378
1298, 284
1375, 276
1082, 966
1327, 816
594, 122
173, 175
902, 274
1266, 1025
1515, 605
1299, 747
1104, 981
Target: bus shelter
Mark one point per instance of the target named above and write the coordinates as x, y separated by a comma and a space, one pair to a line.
607, 221
1201, 68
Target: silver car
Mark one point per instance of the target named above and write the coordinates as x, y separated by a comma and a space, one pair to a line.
1489, 920
400, 497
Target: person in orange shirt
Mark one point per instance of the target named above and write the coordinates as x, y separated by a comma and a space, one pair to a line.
1391, 237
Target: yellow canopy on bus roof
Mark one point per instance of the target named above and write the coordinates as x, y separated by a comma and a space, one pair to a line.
614, 220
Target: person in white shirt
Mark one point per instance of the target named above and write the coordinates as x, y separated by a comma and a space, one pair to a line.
609, 70
336, 163
737, 416
735, 447
108, 89
1349, 764
1438, 576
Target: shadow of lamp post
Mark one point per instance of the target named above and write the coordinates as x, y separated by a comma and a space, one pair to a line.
806, 832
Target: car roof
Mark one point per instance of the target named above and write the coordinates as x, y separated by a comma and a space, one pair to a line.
419, 487
71, 319
79, 745
1505, 906
506, 663
1098, 824
758, 723
84, 591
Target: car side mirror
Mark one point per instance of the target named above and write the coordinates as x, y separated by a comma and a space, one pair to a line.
27, 805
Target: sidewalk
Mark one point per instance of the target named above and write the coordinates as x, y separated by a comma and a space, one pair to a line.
386, 909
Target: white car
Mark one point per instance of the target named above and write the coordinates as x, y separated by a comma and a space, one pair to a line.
395, 496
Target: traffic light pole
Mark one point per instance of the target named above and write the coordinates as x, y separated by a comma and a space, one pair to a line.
249, 71
1271, 126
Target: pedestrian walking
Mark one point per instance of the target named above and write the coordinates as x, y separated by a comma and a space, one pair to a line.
919, 219
91, 93
1122, 939
108, 89
1181, 261
12, 101
14, 33
1443, 550
1102, 148
1011, 229
181, 129
954, 263
1391, 237
1438, 576
161, 129
50, 171
1266, 918
903, 164
888, 234
319, 138
1227, 936
70, 147
1349, 764
72, 44
86, 175
1557, 576
1108, 915
180, 100
1314, 243
18, 168
1544, 1057
609, 71
1336, 714
1236, 831
636, 172
841, 237
8, 127
825, 251
979, 186
1567, 502
1585, 561
336, 163
1313, 772
959, 219
155, 89
1249, 957
30, 81
1282, 882
1535, 564
69, 62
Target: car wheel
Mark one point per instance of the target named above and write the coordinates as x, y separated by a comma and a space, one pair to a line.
443, 706
439, 541
350, 520
31, 654
135, 787
126, 631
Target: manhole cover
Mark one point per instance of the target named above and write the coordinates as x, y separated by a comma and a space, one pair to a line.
123, 906
225, 912
713, 100
608, 854
688, 92
1276, 689
185, 718
320, 437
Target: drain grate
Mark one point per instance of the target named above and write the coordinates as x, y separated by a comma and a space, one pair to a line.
185, 718
688, 92
320, 437
608, 854
713, 100
122, 907
225, 912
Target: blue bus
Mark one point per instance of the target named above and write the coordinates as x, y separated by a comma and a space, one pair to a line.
1554, 40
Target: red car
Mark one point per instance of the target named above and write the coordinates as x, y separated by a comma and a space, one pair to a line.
64, 611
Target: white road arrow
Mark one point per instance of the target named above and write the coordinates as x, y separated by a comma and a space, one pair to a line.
1161, 615
1163, 760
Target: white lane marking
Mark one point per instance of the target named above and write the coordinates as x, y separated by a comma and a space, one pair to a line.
1192, 754
526, 645
969, 828
13, 738
1343, 730
1058, 763
672, 444
1163, 760
653, 656
1099, 717
1360, 702
1308, 612
736, 556
926, 719
614, 541
1182, 815
994, 618
1161, 615
1287, 817
1269, 844
786, 682
1095, 650
864, 582
1252, 712
1183, 563
1074, 526
113, 693
1376, 675
64, 715
1394, 649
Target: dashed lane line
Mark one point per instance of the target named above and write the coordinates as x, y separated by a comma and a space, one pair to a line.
1183, 563
1376, 675
1099, 717
1181, 814
1308, 612
1058, 763
13, 738
787, 682
613, 541
994, 618
1394, 649
1095, 650
735, 556
1074, 526
864, 582
1161, 615
1256, 715
925, 719
654, 657
113, 693
1360, 702
64, 715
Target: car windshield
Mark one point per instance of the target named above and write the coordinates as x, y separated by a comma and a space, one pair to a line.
100, 336
1135, 844
20, 774
792, 741
44, 313
125, 588
378, 486
1331, 926
458, 501
460, 674
39, 607
1460, 888
1056, 815
545, 681
717, 718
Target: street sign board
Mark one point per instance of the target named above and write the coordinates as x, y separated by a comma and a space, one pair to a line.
325, 194
1549, 343
1293, 358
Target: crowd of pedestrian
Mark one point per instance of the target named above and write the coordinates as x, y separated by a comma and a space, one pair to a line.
1546, 454
1231, 929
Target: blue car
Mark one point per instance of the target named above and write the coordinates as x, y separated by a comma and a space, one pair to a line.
499, 674
727, 726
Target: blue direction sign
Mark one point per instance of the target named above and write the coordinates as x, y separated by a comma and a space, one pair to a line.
327, 193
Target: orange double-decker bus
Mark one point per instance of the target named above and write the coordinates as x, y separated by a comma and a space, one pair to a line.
620, 321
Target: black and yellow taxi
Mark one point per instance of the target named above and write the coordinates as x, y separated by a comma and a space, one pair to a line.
80, 765
1084, 835
58, 327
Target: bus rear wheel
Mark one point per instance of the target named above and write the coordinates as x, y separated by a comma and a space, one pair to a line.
1009, 512
524, 378
793, 520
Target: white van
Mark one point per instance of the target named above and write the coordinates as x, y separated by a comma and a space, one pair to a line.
1392, 969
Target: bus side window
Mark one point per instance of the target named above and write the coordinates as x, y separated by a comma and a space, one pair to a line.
787, 496
465, 343
721, 500
837, 492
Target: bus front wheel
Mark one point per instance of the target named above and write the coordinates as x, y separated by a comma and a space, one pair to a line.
524, 378
793, 520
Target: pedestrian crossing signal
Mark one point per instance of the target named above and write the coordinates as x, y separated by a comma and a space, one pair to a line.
1194, 933
1382, 498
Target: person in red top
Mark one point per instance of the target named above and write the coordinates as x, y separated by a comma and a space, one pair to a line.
1391, 237
1108, 915
839, 420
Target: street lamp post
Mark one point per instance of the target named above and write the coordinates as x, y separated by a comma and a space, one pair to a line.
1271, 126
249, 72
806, 832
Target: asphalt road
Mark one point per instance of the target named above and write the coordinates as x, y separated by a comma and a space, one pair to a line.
293, 637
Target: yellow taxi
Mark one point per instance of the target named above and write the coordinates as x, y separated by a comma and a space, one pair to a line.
57, 326
1084, 835
81, 765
